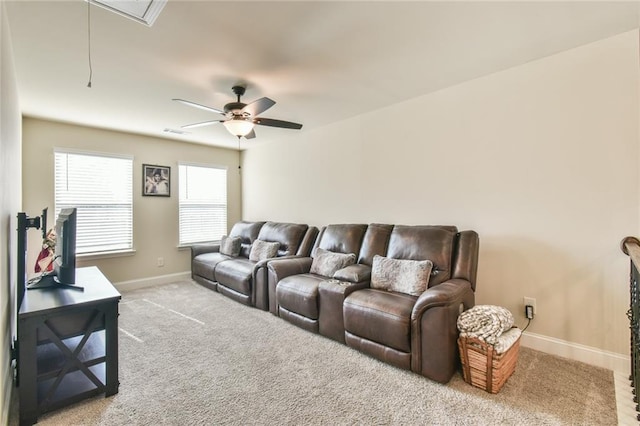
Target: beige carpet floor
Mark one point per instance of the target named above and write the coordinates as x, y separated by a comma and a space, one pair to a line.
190, 356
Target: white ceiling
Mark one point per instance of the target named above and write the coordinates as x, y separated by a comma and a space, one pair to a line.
320, 61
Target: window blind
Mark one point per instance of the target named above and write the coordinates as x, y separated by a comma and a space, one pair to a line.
202, 203
101, 188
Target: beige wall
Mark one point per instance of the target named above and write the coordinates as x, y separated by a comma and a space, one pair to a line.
10, 167
155, 219
541, 160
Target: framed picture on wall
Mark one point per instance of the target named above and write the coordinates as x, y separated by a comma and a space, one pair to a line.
156, 180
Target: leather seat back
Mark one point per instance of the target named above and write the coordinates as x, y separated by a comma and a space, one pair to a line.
376, 241
308, 241
435, 243
289, 235
465, 259
341, 238
248, 231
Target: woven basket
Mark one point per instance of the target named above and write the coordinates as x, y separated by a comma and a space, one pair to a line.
483, 367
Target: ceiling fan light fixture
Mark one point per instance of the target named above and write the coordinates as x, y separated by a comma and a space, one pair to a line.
239, 126
240, 118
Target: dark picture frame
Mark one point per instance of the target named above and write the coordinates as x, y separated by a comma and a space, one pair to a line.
156, 180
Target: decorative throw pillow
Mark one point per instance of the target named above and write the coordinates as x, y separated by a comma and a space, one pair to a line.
404, 276
230, 245
261, 250
326, 262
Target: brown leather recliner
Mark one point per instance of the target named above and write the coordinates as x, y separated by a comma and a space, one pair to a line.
205, 257
313, 301
245, 280
418, 333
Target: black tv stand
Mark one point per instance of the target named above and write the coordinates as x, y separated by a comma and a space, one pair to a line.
48, 281
68, 345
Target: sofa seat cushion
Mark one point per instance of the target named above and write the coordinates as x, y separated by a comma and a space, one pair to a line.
205, 264
380, 316
299, 294
236, 274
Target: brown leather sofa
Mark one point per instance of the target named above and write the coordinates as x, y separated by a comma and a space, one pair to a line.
295, 292
414, 332
240, 278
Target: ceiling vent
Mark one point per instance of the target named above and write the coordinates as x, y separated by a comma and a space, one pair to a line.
174, 131
143, 11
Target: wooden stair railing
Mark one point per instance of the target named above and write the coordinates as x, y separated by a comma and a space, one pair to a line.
631, 247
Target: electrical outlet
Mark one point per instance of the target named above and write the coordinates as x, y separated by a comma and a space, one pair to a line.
528, 312
160, 261
530, 301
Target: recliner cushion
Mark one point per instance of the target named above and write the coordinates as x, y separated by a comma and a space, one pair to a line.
404, 276
299, 294
289, 235
248, 231
375, 241
327, 263
380, 316
354, 273
425, 242
205, 264
235, 274
341, 238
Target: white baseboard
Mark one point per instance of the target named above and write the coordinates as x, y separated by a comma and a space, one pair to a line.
124, 286
587, 354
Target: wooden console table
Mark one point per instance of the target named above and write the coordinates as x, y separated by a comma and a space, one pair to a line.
67, 344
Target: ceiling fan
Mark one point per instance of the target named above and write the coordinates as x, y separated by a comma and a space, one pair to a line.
240, 118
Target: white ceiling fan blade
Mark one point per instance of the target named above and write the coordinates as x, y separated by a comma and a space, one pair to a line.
203, 123
195, 105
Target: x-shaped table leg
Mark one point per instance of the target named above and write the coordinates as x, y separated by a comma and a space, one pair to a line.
72, 357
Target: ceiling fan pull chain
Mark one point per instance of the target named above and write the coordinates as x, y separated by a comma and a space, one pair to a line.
239, 155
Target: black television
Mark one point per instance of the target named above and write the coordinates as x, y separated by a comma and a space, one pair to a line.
64, 263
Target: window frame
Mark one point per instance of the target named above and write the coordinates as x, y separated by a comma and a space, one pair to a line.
116, 252
224, 225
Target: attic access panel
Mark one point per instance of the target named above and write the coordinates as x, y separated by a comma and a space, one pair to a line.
143, 11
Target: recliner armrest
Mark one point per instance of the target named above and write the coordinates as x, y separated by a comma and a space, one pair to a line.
265, 262
280, 268
354, 273
197, 249
283, 267
263, 265
452, 291
434, 329
260, 276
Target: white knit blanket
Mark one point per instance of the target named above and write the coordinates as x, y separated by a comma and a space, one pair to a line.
485, 322
507, 339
